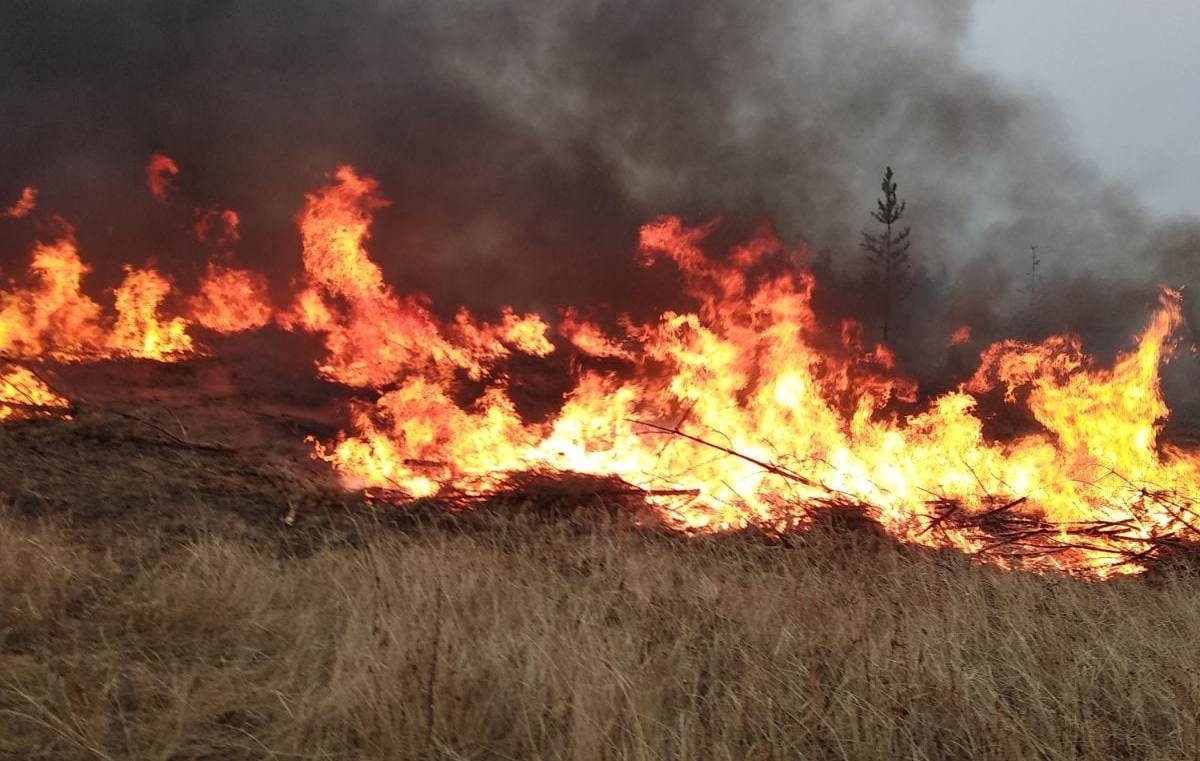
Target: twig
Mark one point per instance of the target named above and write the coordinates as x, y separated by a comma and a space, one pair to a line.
65, 409
202, 446
769, 467
26, 364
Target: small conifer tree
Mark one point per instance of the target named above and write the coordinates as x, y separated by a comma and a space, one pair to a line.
888, 248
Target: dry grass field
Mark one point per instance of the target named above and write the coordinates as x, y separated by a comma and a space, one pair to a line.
155, 605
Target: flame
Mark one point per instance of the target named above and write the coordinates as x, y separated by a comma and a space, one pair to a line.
161, 170
960, 336
588, 338
218, 228
745, 410
52, 316
748, 403
24, 205
24, 395
372, 335
231, 300
139, 331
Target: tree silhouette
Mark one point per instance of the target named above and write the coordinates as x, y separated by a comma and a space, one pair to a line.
888, 249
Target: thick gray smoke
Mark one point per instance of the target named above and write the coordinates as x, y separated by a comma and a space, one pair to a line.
523, 142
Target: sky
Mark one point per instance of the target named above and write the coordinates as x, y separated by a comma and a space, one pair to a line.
1125, 74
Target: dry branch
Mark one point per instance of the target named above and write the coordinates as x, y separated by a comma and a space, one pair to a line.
40, 409
769, 467
1010, 530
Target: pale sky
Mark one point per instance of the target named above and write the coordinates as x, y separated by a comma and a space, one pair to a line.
1126, 74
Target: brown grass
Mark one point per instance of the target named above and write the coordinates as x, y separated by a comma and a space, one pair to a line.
184, 626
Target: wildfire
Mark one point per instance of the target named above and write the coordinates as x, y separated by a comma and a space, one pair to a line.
751, 406
745, 411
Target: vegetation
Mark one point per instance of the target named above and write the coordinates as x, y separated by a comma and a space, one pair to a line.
155, 603
888, 249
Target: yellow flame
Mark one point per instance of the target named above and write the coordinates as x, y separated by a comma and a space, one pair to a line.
139, 330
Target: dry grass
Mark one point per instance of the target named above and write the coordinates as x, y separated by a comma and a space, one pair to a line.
542, 641
515, 634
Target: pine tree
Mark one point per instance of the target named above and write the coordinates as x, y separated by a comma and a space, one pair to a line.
888, 249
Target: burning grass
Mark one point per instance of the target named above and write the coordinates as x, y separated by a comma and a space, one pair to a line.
24, 394
154, 602
744, 410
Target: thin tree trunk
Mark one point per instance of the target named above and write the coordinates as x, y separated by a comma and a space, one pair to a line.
887, 281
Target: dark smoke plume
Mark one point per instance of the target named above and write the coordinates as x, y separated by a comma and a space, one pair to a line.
523, 142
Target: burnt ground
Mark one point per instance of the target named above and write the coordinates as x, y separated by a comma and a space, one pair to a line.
214, 443
217, 446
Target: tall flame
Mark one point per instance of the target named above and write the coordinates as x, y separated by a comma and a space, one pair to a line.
372, 335
139, 330
52, 315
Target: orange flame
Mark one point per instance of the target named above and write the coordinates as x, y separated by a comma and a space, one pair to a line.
160, 172
23, 395
372, 335
753, 372
52, 316
231, 300
24, 205
589, 339
218, 228
960, 336
747, 408
139, 330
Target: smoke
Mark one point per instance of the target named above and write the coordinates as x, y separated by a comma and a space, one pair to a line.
523, 143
